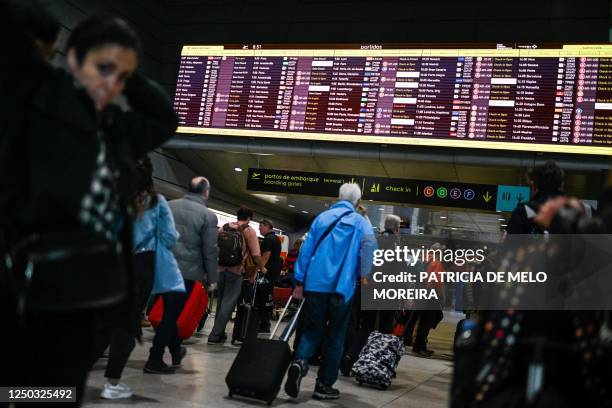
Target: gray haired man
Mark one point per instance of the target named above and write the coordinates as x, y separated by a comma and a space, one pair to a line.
328, 287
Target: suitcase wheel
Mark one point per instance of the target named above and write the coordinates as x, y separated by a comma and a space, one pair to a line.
270, 403
230, 394
359, 382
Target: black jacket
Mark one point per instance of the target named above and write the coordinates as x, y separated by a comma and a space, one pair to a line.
49, 153
49, 143
520, 222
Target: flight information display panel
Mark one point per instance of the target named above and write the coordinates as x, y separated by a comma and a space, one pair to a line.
554, 99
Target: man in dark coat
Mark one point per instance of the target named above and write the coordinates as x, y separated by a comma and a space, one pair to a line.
546, 182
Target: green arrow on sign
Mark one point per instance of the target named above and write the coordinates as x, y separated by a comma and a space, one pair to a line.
487, 197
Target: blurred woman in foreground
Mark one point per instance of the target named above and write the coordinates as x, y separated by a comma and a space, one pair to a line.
66, 214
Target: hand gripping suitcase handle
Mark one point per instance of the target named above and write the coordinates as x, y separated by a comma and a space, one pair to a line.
292, 323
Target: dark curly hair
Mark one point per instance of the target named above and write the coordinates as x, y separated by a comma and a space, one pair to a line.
547, 177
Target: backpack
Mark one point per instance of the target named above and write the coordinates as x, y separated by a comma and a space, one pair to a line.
230, 242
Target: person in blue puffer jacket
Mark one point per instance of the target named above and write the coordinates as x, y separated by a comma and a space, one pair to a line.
155, 272
338, 250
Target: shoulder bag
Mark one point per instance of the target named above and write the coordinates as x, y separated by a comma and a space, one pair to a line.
65, 271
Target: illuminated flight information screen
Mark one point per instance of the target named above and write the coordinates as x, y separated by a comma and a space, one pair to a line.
554, 99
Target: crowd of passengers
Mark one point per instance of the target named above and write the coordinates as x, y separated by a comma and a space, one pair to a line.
88, 244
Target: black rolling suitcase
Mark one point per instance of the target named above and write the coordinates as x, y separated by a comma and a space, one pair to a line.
260, 366
246, 323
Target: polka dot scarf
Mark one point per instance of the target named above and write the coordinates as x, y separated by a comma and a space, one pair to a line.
100, 206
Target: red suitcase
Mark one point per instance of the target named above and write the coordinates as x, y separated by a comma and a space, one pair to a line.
190, 316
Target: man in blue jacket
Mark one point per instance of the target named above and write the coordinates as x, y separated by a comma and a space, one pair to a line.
338, 249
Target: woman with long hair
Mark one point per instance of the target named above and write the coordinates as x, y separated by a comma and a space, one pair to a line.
153, 228
65, 222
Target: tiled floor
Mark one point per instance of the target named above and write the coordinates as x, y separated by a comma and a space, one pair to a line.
420, 382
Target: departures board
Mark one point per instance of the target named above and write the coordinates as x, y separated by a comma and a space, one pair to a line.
553, 98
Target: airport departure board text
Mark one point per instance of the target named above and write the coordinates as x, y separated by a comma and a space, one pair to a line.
533, 99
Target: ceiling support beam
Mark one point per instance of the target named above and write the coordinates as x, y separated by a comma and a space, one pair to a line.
458, 156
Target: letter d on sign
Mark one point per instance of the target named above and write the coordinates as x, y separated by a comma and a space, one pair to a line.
497, 277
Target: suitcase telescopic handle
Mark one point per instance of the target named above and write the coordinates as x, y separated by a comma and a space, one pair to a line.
254, 291
292, 323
